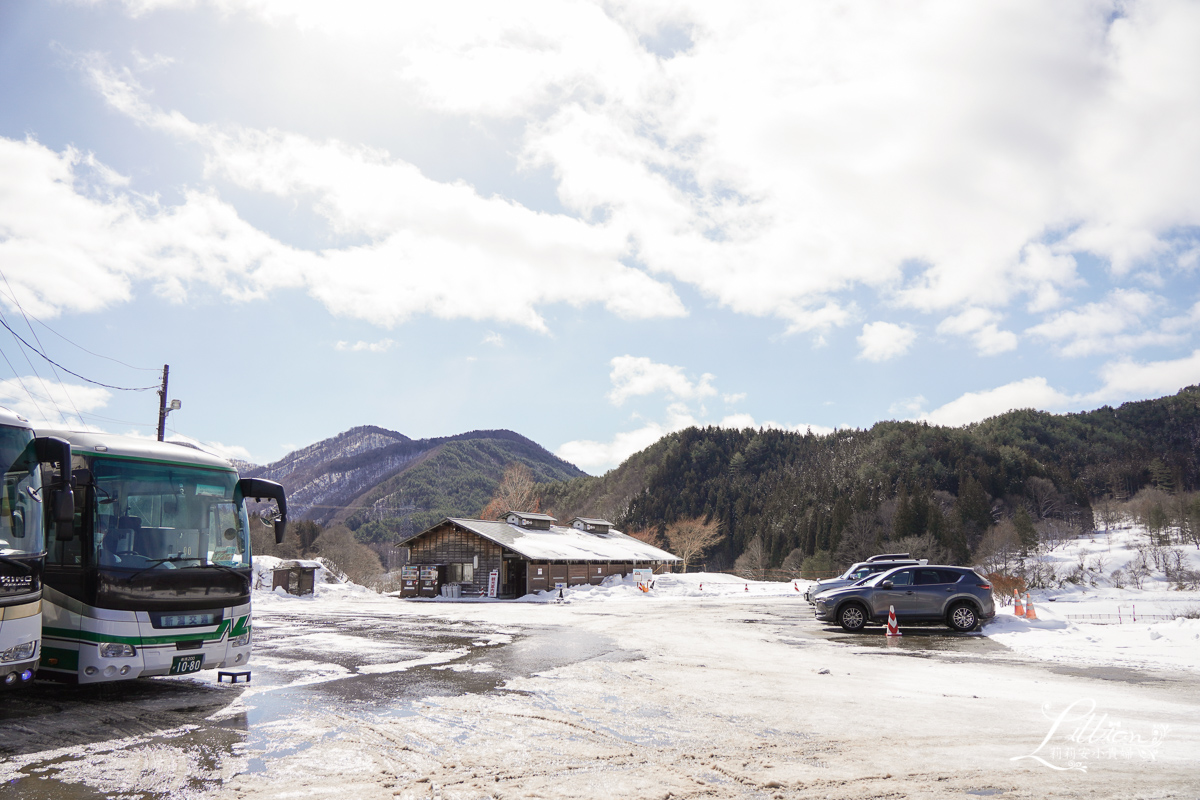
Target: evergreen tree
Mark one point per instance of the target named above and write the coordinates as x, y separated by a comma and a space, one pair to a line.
1026, 533
974, 509
904, 522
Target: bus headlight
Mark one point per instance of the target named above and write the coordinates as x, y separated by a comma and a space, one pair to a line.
114, 650
240, 641
19, 652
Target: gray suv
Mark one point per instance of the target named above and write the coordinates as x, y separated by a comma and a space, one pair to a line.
863, 569
956, 596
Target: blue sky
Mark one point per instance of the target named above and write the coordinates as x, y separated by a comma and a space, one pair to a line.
594, 223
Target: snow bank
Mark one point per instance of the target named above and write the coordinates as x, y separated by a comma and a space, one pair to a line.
326, 584
698, 585
1095, 622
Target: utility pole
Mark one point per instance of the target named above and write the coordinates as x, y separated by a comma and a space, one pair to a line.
162, 403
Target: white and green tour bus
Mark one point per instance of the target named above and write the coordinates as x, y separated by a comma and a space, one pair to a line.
23, 505
153, 574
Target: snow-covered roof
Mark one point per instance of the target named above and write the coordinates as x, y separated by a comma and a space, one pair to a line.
593, 521
533, 515
295, 563
561, 543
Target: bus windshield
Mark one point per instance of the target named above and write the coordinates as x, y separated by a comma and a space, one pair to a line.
21, 504
166, 516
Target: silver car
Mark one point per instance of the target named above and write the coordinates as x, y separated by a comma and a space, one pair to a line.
956, 596
863, 569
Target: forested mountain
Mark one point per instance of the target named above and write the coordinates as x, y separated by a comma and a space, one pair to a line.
799, 494
382, 484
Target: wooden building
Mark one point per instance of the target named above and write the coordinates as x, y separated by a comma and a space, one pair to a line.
530, 553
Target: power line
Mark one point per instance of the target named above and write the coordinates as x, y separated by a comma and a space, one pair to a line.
76, 374
114, 419
57, 379
23, 386
45, 390
11, 295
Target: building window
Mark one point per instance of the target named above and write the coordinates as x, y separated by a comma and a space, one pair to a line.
462, 573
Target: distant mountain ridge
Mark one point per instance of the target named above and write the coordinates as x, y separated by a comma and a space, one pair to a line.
802, 494
369, 474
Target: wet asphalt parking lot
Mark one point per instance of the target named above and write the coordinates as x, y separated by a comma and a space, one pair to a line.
66, 743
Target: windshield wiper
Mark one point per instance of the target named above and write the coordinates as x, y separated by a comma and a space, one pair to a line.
175, 559
215, 565
21, 565
151, 564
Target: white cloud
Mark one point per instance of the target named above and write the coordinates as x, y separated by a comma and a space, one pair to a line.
52, 403
907, 407
751, 164
435, 248
1128, 319
1126, 379
881, 341
976, 406
382, 346
634, 376
1123, 379
227, 451
980, 325
596, 457
493, 339
72, 239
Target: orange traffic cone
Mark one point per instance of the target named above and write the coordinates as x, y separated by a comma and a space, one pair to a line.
794, 586
747, 587
893, 629
1029, 612
1018, 607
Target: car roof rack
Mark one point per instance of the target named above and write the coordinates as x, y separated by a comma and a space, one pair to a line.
889, 556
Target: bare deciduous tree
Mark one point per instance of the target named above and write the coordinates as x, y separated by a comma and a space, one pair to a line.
752, 563
1047, 502
999, 550
860, 538
338, 545
517, 492
691, 538
650, 536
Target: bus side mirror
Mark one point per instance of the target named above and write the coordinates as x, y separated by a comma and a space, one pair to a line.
51, 449
258, 488
62, 503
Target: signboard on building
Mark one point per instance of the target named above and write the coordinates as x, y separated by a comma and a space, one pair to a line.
643, 577
493, 583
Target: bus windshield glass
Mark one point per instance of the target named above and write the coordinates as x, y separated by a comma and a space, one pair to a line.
165, 516
21, 505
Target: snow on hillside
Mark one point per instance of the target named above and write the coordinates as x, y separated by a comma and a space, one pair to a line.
1110, 605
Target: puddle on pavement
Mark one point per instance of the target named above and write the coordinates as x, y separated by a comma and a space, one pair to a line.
915, 641
1121, 674
150, 732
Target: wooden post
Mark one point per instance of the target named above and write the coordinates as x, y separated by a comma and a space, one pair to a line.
162, 404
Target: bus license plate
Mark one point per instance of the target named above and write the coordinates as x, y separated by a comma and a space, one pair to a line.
182, 665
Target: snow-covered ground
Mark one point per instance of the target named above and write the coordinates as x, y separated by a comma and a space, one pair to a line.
708, 686
1125, 629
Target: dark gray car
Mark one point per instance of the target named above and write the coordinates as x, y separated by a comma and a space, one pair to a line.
956, 596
